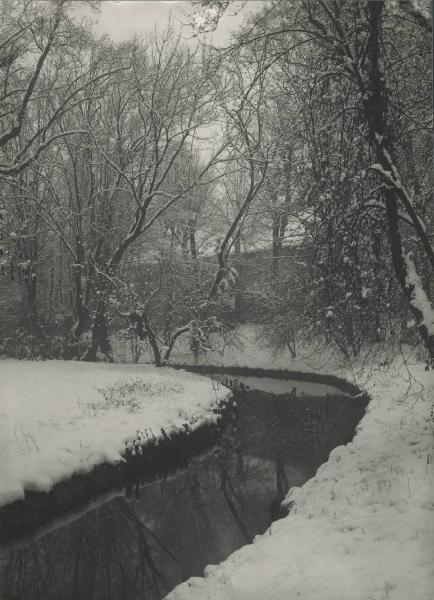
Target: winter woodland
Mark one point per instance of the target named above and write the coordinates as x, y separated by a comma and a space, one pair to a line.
264, 200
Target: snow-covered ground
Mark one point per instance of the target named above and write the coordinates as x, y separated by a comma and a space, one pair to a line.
58, 418
363, 527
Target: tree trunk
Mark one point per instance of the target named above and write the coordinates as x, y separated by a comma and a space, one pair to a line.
276, 245
100, 339
31, 288
375, 109
82, 323
152, 339
192, 238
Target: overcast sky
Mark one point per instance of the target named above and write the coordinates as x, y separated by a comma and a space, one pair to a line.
121, 19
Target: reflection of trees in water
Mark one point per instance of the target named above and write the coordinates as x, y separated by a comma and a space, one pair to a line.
103, 555
185, 519
300, 432
142, 545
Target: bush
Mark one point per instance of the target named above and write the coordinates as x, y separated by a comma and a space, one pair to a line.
29, 347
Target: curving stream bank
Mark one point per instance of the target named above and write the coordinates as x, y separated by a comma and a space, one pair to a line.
154, 532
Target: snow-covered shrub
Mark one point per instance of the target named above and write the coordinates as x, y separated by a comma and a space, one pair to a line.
130, 393
30, 347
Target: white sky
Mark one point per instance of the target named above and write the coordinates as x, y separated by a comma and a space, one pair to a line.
121, 19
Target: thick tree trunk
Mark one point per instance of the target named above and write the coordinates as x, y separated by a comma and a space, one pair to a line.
152, 339
100, 339
375, 108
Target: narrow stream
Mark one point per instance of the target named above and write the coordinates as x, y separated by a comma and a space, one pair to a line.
150, 536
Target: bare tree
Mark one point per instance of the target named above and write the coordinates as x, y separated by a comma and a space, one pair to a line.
164, 104
251, 146
29, 29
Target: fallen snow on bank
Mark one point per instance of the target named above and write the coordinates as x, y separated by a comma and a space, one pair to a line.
58, 417
363, 527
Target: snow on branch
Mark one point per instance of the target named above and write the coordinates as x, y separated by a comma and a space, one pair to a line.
419, 299
393, 180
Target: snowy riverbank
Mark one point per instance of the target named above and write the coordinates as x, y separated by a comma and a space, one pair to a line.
363, 527
58, 418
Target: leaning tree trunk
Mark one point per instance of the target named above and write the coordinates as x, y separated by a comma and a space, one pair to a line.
375, 110
150, 333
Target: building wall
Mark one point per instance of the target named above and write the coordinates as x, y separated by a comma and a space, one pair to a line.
254, 269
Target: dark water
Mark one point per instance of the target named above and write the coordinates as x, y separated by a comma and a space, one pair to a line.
151, 536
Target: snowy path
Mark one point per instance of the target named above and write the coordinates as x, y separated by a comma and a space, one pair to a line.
363, 527
58, 418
